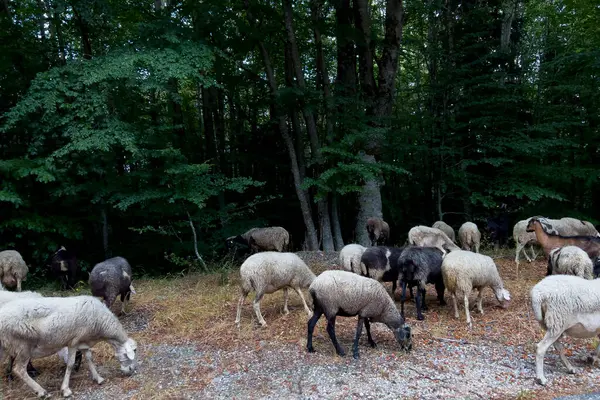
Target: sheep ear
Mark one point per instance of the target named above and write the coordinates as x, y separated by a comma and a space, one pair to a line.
130, 347
506, 295
132, 289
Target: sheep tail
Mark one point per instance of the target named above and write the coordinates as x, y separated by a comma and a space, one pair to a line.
537, 304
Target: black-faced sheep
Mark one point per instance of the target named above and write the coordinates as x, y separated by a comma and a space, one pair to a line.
419, 266
469, 236
381, 264
35, 328
63, 265
111, 278
274, 238
378, 230
570, 260
13, 269
464, 271
565, 305
346, 294
447, 229
269, 271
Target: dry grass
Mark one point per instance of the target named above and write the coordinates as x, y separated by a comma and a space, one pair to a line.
201, 309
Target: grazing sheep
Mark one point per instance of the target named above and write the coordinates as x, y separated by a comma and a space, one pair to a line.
447, 229
63, 265
469, 236
565, 305
350, 257
5, 298
274, 238
464, 271
570, 260
419, 266
549, 242
38, 327
269, 271
378, 230
346, 294
13, 269
424, 236
111, 278
381, 264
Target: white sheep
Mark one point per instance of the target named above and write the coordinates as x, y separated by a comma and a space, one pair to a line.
424, 236
269, 271
565, 305
346, 294
464, 271
570, 260
38, 327
447, 229
469, 236
13, 269
350, 257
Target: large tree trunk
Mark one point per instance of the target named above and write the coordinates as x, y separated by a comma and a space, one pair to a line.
346, 54
335, 221
311, 233
84, 30
311, 126
379, 99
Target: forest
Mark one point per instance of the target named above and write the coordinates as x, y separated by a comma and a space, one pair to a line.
155, 129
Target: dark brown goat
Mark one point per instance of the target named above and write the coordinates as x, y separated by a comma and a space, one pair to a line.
550, 241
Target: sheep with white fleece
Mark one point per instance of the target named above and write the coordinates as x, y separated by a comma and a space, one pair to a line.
570, 260
464, 271
424, 236
350, 257
39, 327
565, 305
269, 271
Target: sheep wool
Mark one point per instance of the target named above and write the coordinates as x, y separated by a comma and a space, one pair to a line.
424, 236
447, 229
274, 238
111, 278
13, 269
350, 257
38, 327
269, 271
565, 304
469, 236
343, 293
464, 271
570, 260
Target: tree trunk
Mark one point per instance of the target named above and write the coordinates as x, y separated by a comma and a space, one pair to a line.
335, 221
296, 128
379, 102
85, 35
322, 74
105, 232
209, 127
509, 8
311, 233
311, 126
346, 55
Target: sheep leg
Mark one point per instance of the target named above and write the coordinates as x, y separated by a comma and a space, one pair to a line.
561, 352
64, 388
308, 310
480, 301
403, 298
239, 308
418, 303
311, 327
95, 376
256, 306
542, 347
466, 295
423, 293
477, 247
331, 332
359, 327
440, 288
455, 306
368, 327
286, 296
20, 370
18, 284
533, 253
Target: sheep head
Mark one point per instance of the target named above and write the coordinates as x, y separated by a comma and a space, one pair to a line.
503, 296
403, 337
126, 353
531, 224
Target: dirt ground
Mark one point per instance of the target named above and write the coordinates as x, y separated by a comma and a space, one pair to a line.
189, 348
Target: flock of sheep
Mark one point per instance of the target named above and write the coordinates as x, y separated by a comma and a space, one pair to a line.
565, 303
33, 326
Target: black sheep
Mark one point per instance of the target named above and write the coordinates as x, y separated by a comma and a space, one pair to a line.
380, 263
63, 265
418, 266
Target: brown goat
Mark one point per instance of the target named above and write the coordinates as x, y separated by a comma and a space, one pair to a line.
550, 241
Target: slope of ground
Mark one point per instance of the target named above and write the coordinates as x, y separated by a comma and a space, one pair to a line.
189, 348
